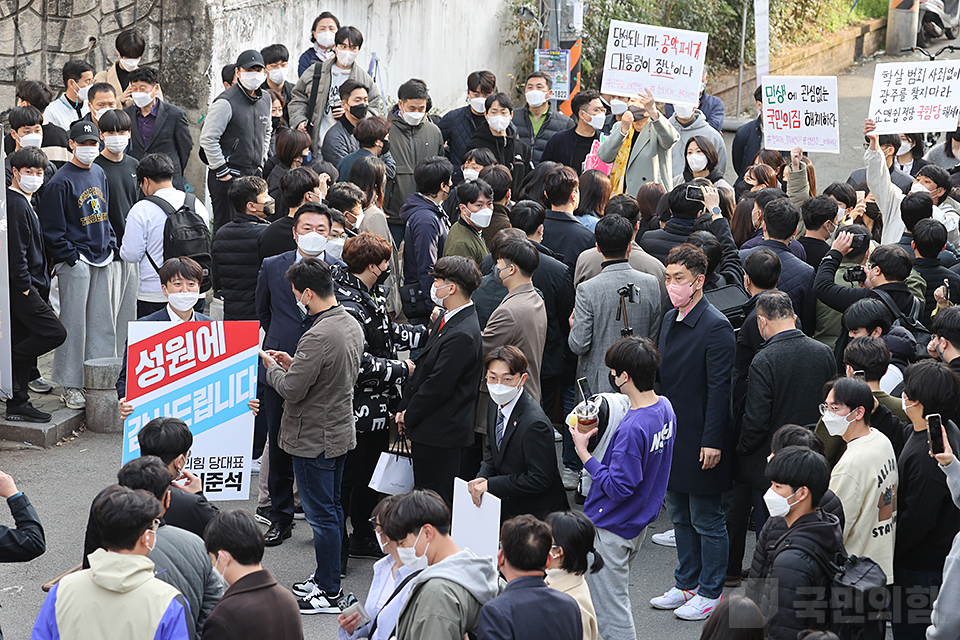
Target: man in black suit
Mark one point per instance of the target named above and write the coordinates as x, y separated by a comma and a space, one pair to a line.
520, 465
439, 404
524, 555
562, 232
158, 126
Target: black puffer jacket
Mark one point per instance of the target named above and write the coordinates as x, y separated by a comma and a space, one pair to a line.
785, 585
458, 127
555, 123
236, 265
378, 386
509, 151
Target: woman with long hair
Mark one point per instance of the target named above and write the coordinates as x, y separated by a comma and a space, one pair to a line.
370, 174
595, 192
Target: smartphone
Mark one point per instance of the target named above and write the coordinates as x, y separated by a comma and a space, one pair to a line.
584, 388
694, 192
935, 433
861, 195
859, 375
349, 605
946, 289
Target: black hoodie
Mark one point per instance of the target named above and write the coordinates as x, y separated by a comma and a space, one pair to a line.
509, 151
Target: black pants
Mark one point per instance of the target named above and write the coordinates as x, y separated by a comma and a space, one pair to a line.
736, 507
146, 308
222, 209
34, 330
280, 480
357, 497
259, 425
435, 468
471, 458
549, 393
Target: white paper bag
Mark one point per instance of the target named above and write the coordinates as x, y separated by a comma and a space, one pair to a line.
393, 475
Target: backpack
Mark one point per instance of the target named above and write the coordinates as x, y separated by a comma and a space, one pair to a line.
185, 233
856, 607
729, 300
909, 322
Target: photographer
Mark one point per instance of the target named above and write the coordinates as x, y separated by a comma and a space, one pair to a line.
849, 274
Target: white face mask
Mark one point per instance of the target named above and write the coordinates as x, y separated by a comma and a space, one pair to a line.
918, 187
30, 184
311, 244
413, 118
535, 98
408, 555
325, 38
468, 174
86, 155
383, 547
277, 76
251, 80
82, 93
479, 105
183, 301
499, 123
334, 248
129, 64
481, 218
904, 405
303, 305
598, 121
356, 223
216, 570
841, 211
99, 114
905, 148
503, 394
116, 144
617, 106
437, 300
836, 425
554, 574
346, 58
697, 161
141, 99
31, 140
683, 111
777, 505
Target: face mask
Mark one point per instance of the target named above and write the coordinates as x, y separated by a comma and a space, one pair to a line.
359, 111
503, 394
150, 547
31, 140
613, 382
905, 148
346, 58
251, 80
141, 99
482, 218
535, 98
223, 581
904, 405
383, 276
499, 123
408, 555
680, 294
30, 184
269, 206
683, 111
99, 114
276, 121
302, 306
703, 87
86, 155
385, 149
277, 76
777, 505
836, 425
311, 244
555, 574
129, 64
918, 187
413, 118
335, 248
470, 174
116, 144
479, 105
183, 301
497, 271
437, 300
325, 38
598, 121
383, 547
617, 106
841, 211
697, 162
82, 93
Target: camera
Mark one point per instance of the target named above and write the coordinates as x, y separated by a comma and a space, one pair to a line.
694, 192
855, 273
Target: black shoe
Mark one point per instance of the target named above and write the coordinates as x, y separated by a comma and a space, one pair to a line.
298, 513
27, 413
276, 534
263, 516
368, 549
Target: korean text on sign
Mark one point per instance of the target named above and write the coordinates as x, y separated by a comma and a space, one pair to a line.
801, 111
916, 97
668, 62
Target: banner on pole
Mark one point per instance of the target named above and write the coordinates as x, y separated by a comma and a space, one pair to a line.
761, 30
801, 111
556, 64
916, 97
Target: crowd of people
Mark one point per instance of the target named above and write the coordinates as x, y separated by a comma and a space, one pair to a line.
479, 291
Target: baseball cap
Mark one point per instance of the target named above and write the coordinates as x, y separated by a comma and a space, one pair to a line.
84, 131
250, 59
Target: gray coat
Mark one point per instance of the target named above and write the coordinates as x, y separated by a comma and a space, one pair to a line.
181, 561
696, 127
339, 143
650, 159
595, 324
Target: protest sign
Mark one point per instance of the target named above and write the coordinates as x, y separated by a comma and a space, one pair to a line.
916, 97
556, 64
668, 62
6, 361
761, 30
801, 111
475, 528
204, 373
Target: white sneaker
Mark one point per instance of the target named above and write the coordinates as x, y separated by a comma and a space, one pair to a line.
665, 539
74, 398
40, 386
557, 436
571, 478
255, 467
673, 598
698, 608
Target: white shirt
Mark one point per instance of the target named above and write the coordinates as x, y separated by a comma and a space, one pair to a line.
508, 408
62, 114
175, 318
144, 233
450, 314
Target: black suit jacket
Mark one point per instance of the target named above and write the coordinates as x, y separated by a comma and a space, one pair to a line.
171, 135
563, 234
440, 398
522, 471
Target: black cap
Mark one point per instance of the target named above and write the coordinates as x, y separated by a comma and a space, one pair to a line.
250, 59
84, 131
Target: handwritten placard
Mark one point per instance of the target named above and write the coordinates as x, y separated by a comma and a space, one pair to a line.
916, 97
801, 111
668, 62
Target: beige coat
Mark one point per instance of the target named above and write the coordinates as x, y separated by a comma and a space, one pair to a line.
109, 75
375, 221
650, 157
577, 588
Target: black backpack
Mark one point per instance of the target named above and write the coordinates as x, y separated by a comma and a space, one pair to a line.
185, 234
729, 300
909, 322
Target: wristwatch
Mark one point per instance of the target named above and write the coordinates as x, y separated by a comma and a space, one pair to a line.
716, 211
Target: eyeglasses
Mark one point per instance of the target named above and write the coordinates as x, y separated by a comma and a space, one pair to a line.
374, 522
508, 380
824, 408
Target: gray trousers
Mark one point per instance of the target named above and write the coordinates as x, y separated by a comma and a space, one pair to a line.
610, 587
263, 499
125, 283
87, 315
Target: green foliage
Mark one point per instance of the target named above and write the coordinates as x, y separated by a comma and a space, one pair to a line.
525, 36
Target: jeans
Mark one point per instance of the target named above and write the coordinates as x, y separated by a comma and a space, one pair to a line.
736, 506
913, 596
319, 481
702, 543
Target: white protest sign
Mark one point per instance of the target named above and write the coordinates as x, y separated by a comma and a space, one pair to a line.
916, 97
801, 111
761, 29
475, 528
668, 62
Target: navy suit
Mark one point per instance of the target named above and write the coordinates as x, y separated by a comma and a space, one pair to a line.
508, 616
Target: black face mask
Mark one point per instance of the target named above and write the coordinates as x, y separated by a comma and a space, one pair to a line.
383, 276
872, 210
359, 111
277, 121
386, 147
613, 382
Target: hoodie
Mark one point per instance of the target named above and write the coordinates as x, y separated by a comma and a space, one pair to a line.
446, 598
696, 127
118, 597
424, 239
945, 617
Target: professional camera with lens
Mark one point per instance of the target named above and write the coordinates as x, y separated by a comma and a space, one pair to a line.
855, 273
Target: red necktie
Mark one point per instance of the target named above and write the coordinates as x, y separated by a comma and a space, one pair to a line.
443, 321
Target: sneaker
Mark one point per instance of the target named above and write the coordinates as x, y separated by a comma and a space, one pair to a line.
26, 413
305, 588
697, 608
40, 386
665, 539
298, 513
557, 436
319, 602
255, 467
673, 598
263, 515
571, 478
368, 549
74, 398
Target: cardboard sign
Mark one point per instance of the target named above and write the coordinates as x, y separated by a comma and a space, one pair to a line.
668, 62
475, 528
204, 373
801, 111
556, 64
916, 97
